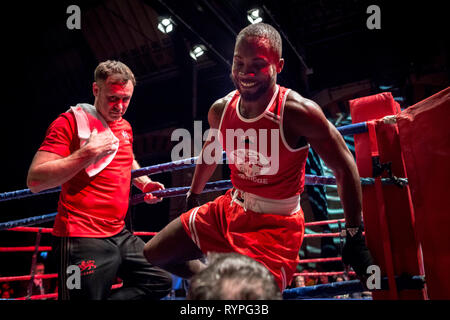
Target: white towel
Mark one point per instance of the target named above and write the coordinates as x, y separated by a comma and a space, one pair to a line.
87, 119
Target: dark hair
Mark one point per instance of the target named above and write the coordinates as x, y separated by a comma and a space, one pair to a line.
112, 67
232, 276
263, 30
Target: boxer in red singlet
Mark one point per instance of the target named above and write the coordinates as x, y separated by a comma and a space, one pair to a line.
266, 131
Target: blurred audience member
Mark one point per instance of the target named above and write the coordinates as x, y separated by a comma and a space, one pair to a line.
298, 281
232, 276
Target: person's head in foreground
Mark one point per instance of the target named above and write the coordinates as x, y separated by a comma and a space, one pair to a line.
232, 276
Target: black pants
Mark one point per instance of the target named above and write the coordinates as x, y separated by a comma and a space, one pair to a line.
100, 262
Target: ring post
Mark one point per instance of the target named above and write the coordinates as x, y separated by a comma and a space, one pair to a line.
387, 210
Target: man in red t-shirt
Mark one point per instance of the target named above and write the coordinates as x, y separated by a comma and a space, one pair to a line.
266, 131
88, 151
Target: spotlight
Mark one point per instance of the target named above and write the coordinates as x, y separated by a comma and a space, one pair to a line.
197, 51
254, 15
165, 25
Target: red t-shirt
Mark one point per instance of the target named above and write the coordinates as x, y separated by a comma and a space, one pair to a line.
91, 206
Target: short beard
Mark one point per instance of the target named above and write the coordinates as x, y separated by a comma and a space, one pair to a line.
252, 96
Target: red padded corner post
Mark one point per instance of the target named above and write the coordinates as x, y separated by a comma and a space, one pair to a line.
387, 212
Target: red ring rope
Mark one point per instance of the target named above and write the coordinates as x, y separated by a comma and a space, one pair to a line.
49, 230
28, 277
24, 249
318, 274
318, 260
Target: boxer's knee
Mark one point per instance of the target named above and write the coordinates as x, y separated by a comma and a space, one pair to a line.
152, 254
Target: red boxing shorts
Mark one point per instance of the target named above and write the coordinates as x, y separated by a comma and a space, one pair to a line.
271, 239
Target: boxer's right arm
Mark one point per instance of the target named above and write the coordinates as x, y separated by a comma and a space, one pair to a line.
204, 169
49, 170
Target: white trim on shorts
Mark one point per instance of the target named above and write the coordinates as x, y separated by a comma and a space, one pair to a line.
192, 228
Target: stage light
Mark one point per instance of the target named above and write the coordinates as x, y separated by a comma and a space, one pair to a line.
254, 15
197, 51
165, 25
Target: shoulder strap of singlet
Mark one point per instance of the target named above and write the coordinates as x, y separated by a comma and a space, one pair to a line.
232, 96
275, 110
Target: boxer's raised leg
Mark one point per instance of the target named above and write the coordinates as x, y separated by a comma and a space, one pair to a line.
173, 250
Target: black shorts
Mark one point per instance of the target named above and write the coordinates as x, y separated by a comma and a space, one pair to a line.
100, 261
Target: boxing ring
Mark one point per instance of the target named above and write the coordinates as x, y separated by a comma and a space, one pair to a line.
386, 199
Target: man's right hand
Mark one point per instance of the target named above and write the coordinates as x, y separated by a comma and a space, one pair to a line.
100, 144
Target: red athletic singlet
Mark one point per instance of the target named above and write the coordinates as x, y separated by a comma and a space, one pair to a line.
260, 160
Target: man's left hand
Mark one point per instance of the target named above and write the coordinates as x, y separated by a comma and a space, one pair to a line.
356, 254
149, 187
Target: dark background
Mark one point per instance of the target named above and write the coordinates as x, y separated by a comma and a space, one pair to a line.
46, 68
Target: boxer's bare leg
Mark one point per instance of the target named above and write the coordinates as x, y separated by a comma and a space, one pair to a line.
173, 250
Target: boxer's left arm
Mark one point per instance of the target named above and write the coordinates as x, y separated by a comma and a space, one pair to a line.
146, 185
304, 118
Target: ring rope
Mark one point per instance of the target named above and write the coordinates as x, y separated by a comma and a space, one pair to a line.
25, 193
139, 233
55, 275
25, 249
309, 180
318, 260
38, 297
145, 233
347, 287
328, 274
27, 221
324, 290
54, 295
31, 229
28, 277
178, 191
20, 225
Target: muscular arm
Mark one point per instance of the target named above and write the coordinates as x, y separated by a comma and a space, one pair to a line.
304, 117
203, 170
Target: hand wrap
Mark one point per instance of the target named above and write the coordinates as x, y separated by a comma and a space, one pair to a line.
192, 201
356, 254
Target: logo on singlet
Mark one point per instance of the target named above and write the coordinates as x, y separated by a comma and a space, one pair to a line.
250, 163
255, 152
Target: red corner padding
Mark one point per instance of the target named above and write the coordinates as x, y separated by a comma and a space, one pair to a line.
425, 139
388, 214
